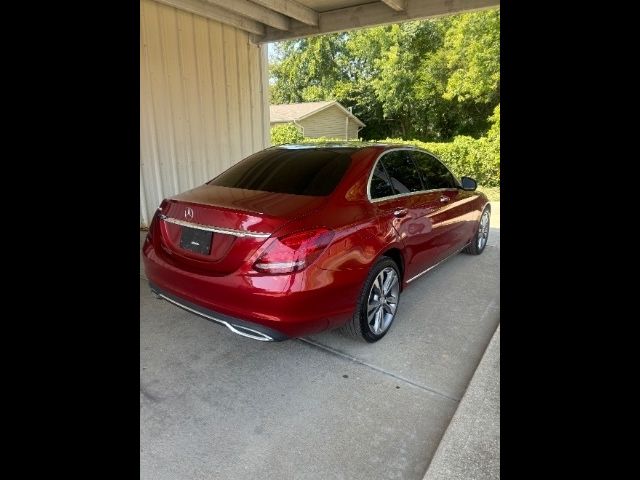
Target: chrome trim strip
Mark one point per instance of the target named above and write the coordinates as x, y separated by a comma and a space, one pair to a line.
400, 195
261, 337
207, 228
434, 266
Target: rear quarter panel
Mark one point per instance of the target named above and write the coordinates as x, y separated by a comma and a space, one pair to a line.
360, 235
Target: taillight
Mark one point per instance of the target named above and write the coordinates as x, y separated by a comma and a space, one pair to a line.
294, 252
154, 220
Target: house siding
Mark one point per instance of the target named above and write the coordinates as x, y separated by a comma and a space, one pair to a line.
330, 123
203, 101
353, 129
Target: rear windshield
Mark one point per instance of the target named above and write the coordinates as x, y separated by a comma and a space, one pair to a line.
314, 172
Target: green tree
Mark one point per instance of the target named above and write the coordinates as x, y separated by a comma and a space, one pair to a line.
459, 84
285, 133
362, 48
408, 44
307, 69
472, 53
494, 131
430, 80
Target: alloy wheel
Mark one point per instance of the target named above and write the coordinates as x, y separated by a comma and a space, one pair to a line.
483, 230
383, 300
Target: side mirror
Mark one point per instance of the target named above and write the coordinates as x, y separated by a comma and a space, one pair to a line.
469, 183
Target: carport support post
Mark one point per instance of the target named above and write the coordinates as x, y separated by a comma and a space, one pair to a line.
346, 128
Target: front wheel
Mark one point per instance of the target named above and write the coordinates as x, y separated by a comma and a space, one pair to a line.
378, 303
479, 242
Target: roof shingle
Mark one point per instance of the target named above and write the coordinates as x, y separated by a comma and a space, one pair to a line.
296, 111
293, 111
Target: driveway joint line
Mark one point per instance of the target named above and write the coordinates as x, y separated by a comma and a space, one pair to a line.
346, 356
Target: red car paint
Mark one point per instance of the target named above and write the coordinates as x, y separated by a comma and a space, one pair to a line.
419, 230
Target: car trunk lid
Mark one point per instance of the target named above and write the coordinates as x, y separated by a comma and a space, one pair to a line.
215, 230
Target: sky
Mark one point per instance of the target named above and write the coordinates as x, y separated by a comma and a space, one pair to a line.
271, 50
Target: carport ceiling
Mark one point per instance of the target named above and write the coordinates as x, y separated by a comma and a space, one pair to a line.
272, 20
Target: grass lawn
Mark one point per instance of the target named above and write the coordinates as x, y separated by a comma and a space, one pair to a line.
493, 193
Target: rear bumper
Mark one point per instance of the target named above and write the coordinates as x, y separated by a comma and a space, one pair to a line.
260, 306
236, 325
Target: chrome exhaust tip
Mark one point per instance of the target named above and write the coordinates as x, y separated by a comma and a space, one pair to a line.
237, 329
248, 332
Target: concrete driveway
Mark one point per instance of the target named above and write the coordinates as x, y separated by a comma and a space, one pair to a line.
216, 405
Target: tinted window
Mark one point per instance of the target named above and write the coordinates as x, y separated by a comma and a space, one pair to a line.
434, 173
404, 175
380, 185
300, 172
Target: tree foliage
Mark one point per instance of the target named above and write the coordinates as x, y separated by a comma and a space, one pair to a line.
308, 69
430, 80
472, 53
285, 133
478, 158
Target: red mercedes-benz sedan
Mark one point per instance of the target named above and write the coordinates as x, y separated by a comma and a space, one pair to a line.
298, 239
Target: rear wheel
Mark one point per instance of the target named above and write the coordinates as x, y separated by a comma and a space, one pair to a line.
479, 242
378, 303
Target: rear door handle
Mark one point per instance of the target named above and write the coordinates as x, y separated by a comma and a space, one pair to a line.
444, 199
401, 212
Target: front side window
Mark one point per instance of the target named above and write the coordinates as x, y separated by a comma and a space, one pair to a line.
403, 173
434, 173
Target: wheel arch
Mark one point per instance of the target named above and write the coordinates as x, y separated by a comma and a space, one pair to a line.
395, 254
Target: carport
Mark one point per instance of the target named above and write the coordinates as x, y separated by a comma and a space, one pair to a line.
216, 405
204, 100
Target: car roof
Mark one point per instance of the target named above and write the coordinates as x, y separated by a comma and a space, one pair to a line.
357, 145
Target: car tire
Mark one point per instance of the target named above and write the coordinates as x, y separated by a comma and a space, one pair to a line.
365, 326
480, 239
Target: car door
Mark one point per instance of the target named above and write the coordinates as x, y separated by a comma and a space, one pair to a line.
401, 201
451, 205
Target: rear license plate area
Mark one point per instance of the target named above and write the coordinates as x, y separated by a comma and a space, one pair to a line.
195, 240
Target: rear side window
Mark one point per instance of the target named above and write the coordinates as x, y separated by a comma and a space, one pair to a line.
434, 173
403, 173
380, 184
314, 172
